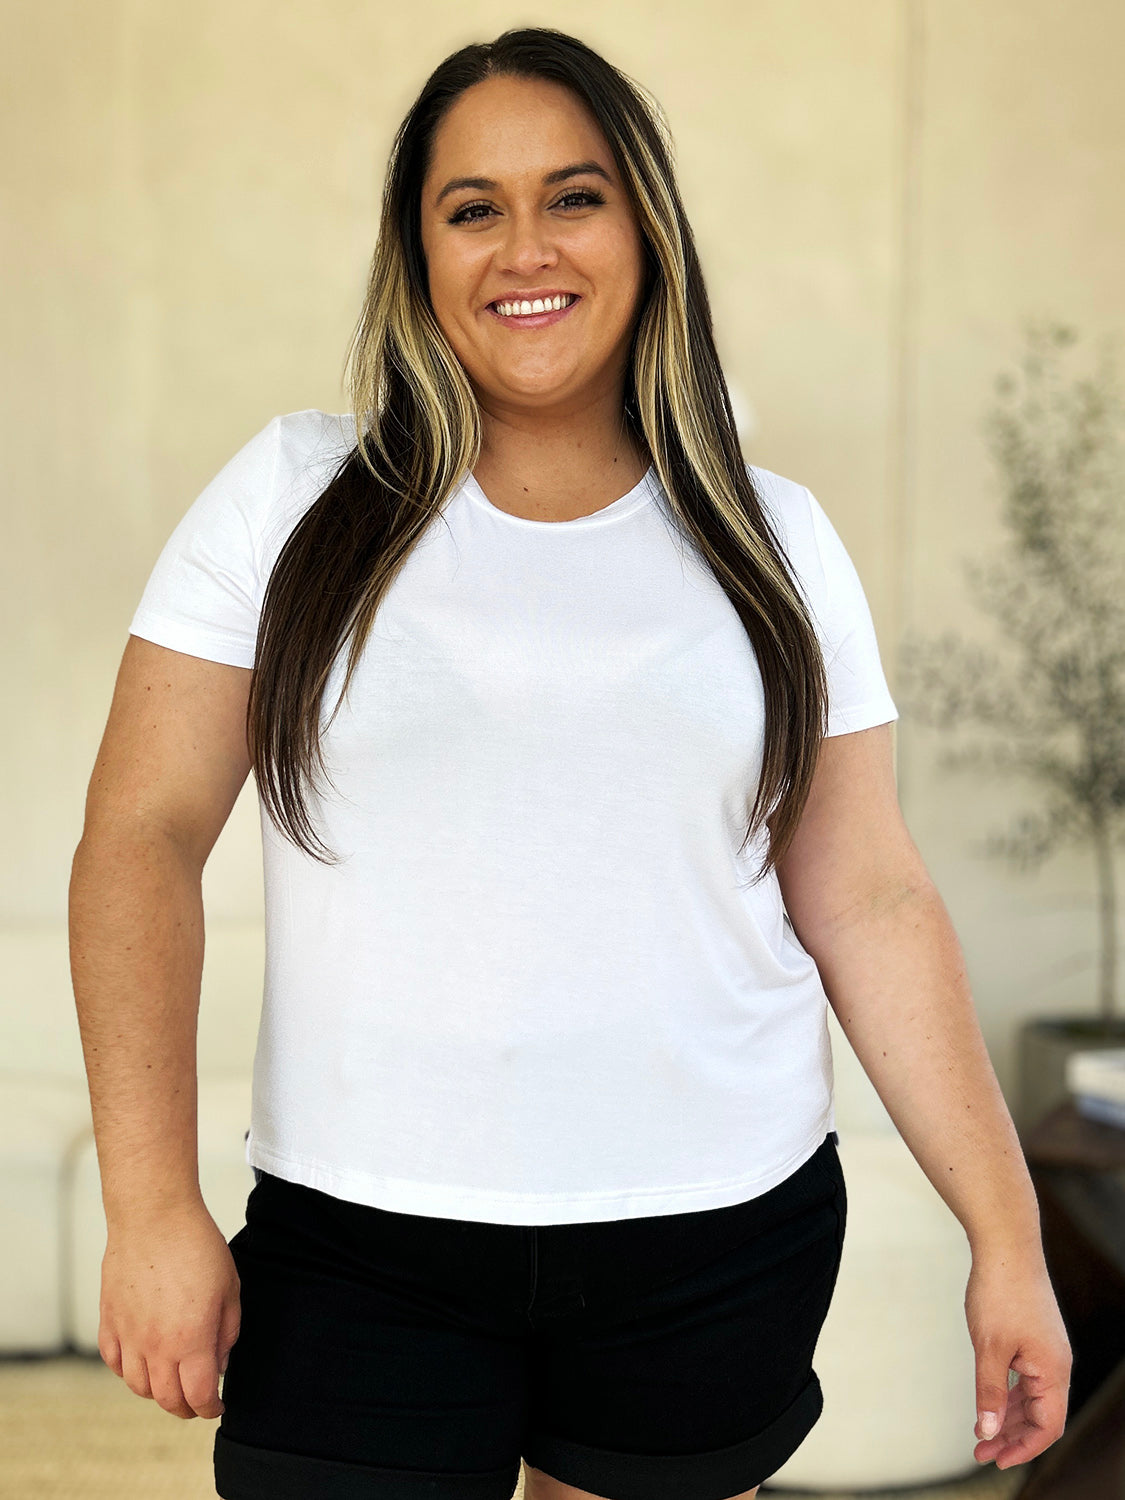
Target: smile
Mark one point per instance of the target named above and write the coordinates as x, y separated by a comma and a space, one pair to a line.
532, 320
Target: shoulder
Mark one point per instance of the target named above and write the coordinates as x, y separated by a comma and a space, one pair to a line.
792, 510
308, 446
309, 437
278, 458
788, 502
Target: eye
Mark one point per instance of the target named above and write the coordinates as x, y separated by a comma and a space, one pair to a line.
590, 195
466, 216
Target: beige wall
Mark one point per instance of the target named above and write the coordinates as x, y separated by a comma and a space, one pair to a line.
881, 191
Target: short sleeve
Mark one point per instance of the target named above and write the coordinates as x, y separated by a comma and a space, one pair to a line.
204, 593
858, 695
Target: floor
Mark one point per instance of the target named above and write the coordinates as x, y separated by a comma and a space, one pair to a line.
71, 1430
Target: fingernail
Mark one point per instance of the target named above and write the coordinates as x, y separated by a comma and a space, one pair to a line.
989, 1423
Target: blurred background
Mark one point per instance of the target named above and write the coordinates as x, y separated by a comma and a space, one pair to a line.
910, 216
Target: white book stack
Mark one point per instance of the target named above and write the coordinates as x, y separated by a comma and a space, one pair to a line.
1096, 1081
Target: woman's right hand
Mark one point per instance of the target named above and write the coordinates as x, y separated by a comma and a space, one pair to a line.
170, 1308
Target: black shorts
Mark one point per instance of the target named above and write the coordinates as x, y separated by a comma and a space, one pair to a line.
401, 1355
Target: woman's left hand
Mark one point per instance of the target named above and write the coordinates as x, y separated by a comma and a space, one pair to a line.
1015, 1323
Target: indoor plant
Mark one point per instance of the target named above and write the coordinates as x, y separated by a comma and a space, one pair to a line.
1050, 709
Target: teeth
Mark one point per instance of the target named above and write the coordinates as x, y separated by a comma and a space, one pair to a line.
527, 309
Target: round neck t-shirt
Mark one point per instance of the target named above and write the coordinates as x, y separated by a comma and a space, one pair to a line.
539, 986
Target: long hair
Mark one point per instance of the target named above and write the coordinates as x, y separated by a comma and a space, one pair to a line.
418, 429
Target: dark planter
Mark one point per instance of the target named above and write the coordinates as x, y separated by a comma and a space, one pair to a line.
1045, 1043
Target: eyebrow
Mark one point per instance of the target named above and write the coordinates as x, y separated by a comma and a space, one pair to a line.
560, 175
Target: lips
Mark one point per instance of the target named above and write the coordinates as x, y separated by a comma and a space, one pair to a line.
528, 321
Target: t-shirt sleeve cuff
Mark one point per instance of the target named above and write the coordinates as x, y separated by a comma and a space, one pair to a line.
861, 716
213, 645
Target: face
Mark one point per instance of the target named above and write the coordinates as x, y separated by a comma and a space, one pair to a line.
520, 234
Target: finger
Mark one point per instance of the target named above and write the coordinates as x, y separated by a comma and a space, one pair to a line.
1041, 1427
1014, 1422
110, 1350
1009, 1443
134, 1372
229, 1328
1023, 1449
199, 1375
992, 1390
985, 1452
167, 1391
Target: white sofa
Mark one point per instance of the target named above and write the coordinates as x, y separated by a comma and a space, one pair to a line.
894, 1357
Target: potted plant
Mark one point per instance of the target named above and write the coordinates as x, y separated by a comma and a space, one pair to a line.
1051, 715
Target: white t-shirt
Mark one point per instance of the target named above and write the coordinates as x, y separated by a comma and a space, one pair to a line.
539, 987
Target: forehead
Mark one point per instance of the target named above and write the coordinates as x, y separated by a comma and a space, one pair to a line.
513, 129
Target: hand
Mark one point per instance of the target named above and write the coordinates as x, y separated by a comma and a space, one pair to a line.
1015, 1323
170, 1309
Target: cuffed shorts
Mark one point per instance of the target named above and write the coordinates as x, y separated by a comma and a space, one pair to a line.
394, 1356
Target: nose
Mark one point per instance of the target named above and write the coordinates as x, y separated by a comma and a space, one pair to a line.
527, 245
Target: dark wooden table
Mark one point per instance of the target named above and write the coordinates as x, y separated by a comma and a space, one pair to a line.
1078, 1169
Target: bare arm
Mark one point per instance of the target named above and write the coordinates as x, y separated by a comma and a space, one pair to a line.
865, 909
136, 955
864, 906
171, 763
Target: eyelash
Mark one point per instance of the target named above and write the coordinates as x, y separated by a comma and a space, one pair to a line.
460, 216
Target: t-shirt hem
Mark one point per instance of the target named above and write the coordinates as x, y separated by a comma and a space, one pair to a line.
451, 1202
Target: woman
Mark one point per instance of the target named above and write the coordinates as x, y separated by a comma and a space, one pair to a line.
542, 1124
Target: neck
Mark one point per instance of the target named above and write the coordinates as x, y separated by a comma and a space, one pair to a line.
538, 462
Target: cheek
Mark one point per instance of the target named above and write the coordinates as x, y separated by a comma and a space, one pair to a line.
623, 278
620, 261
455, 277
442, 279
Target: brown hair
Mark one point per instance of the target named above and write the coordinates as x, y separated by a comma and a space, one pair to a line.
418, 431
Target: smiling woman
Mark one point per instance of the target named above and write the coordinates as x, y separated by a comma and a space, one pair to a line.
542, 1123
